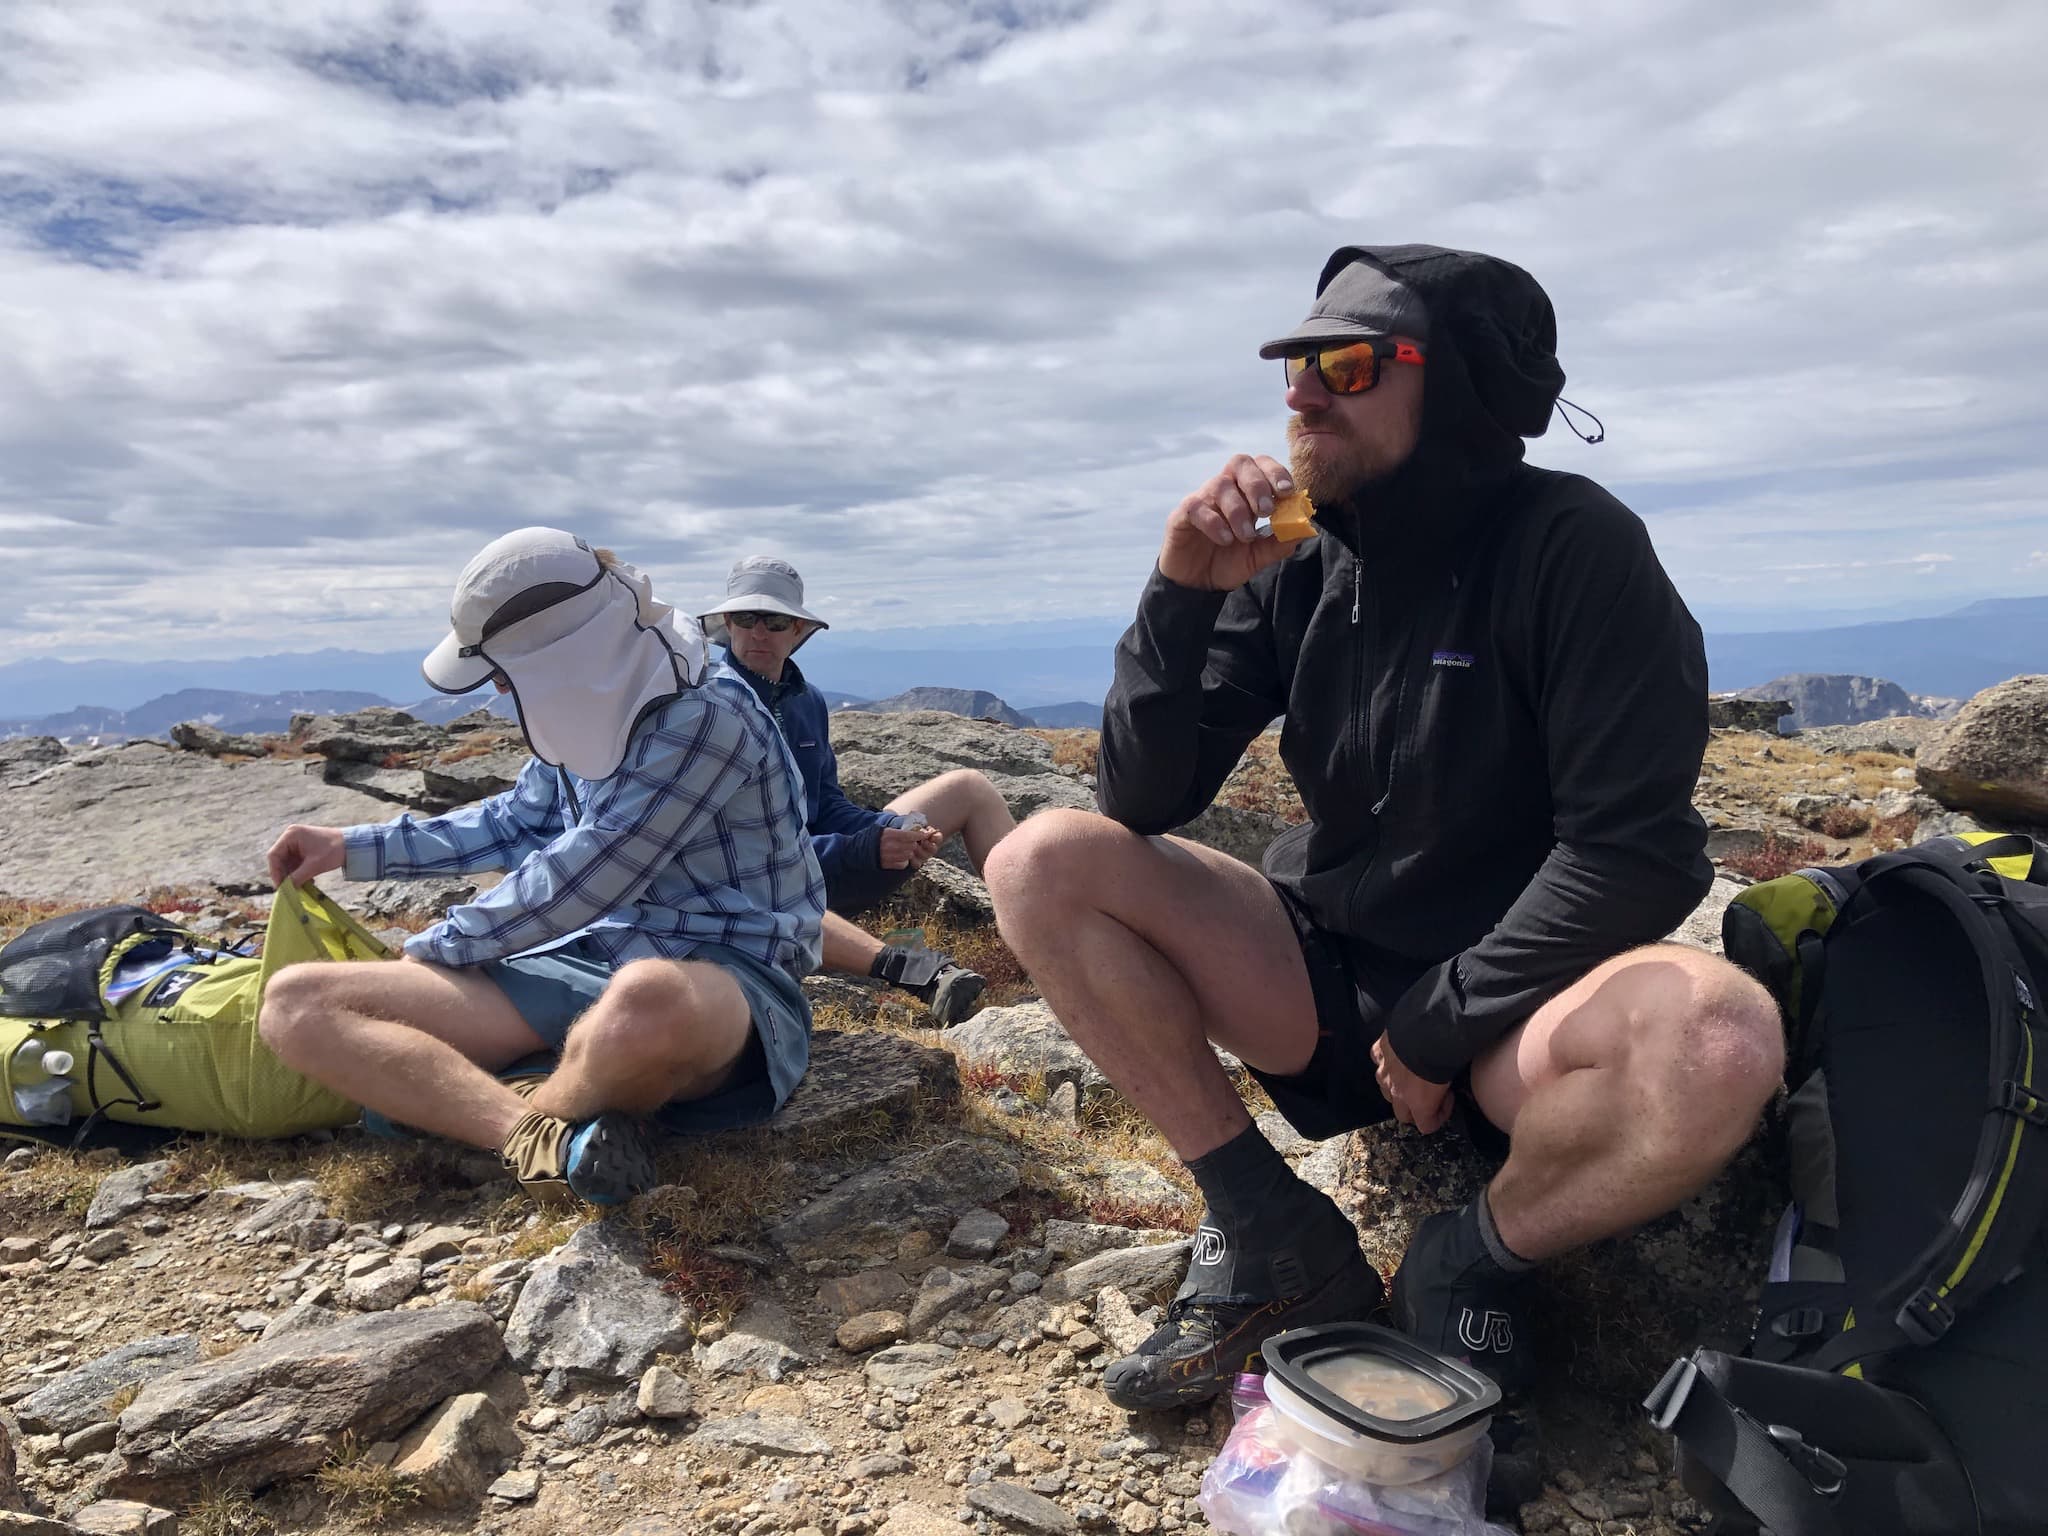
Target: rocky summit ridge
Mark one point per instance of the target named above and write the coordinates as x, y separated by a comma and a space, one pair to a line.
883, 1315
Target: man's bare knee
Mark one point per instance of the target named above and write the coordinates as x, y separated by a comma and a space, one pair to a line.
1709, 1041
659, 1017
1052, 858
294, 1002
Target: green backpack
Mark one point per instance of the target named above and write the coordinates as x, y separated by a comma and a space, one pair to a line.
181, 1050
1893, 1385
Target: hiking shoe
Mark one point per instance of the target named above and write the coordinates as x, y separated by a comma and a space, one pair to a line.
1204, 1345
605, 1161
1452, 1296
948, 990
952, 993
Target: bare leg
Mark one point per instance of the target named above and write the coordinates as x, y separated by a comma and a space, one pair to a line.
417, 1043
848, 948
966, 804
1626, 1093
663, 1030
1149, 948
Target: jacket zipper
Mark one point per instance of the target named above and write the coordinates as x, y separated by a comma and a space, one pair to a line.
1361, 707
1400, 708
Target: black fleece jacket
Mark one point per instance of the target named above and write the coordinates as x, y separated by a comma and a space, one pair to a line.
1494, 701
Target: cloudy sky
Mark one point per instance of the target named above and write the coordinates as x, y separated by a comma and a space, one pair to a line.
951, 300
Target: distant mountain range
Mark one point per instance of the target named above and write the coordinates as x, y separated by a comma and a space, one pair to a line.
269, 714
974, 703
1953, 656
1037, 666
1832, 698
234, 712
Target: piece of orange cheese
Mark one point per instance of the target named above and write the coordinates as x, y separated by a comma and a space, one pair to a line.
1294, 516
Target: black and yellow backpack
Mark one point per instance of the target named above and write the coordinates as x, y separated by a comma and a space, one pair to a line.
1897, 1379
179, 1052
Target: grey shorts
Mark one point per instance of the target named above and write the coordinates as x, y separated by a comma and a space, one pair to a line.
552, 989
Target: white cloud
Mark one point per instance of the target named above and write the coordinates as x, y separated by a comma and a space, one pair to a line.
950, 302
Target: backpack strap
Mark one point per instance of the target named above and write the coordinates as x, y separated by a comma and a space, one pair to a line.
96, 1047
1769, 1469
2006, 1196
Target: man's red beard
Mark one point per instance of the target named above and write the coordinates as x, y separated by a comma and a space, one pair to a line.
1325, 466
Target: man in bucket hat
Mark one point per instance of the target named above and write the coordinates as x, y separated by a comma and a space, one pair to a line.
1494, 707
866, 855
661, 903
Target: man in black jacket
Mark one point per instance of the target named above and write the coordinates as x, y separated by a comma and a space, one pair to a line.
1494, 707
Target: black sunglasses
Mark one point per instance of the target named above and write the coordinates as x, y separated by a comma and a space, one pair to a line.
774, 623
1353, 369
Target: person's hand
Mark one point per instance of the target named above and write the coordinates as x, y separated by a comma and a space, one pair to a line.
909, 847
1209, 539
1417, 1101
300, 853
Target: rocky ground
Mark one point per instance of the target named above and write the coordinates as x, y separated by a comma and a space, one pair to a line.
885, 1315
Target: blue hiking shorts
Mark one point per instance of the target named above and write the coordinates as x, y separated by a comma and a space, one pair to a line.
551, 990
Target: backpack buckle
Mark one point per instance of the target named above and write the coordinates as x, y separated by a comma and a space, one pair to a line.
1827, 1472
1926, 1317
1667, 1399
2018, 1099
1799, 1323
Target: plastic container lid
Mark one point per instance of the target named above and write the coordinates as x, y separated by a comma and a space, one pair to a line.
1374, 1402
57, 1063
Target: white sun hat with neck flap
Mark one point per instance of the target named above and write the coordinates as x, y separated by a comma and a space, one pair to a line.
584, 646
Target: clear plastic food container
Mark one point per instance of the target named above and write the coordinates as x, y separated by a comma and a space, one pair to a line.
1374, 1403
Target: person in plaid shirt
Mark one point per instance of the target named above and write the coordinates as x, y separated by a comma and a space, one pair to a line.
662, 899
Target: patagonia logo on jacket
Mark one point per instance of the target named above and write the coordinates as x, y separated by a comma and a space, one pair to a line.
1451, 658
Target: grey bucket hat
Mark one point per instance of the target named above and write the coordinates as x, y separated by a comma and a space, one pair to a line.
760, 584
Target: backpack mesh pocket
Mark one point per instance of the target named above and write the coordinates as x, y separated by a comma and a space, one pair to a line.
52, 971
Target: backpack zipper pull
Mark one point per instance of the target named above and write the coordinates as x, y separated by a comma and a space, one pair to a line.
1357, 576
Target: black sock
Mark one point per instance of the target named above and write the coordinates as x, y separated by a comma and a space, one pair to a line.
1481, 1214
1250, 1189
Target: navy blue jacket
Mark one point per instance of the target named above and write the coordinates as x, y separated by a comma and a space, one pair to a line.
846, 837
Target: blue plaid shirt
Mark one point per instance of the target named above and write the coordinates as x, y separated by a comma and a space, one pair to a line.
696, 838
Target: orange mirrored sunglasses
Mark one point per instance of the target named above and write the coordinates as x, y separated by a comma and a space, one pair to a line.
1354, 369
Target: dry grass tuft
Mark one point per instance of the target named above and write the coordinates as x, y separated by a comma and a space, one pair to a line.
713, 1289
730, 1187
983, 1078
1889, 832
1261, 782
61, 1181
369, 1183
369, 1494
1072, 747
224, 1509
1777, 856
1118, 1212
543, 1237
1842, 821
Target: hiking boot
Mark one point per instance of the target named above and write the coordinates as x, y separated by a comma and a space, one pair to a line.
1206, 1343
1450, 1295
948, 990
605, 1161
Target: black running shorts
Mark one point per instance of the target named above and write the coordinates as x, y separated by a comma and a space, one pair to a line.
1339, 1091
